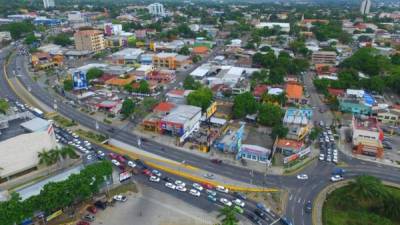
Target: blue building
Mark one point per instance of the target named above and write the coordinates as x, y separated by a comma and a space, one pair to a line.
46, 21
231, 142
253, 153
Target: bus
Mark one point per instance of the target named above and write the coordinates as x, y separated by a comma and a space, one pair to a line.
37, 112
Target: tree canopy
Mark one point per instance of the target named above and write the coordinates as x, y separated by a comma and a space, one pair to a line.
94, 73
191, 84
244, 104
201, 97
62, 39
269, 114
3, 106
368, 61
128, 107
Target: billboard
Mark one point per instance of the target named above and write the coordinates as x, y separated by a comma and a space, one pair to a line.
124, 176
80, 80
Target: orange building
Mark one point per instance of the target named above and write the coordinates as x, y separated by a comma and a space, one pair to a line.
294, 92
120, 82
200, 50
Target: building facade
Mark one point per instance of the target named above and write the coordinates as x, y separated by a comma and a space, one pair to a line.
48, 4
365, 7
156, 9
91, 40
367, 136
324, 57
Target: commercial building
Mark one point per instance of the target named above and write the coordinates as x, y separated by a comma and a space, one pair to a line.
181, 121
112, 29
389, 117
367, 136
231, 142
288, 147
48, 4
126, 56
294, 92
75, 17
170, 61
365, 7
19, 155
299, 122
46, 21
284, 27
253, 153
324, 57
356, 102
156, 9
91, 40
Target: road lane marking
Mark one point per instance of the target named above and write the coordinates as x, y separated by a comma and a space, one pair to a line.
298, 201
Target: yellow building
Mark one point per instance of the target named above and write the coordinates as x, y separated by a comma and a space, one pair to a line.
91, 40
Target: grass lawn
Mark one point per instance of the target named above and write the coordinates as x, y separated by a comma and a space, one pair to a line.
335, 211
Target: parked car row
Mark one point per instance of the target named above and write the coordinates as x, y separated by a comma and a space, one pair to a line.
327, 145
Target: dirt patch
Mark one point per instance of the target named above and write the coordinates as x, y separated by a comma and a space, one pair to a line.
276, 201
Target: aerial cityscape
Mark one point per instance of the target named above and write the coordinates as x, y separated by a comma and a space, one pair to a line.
200, 112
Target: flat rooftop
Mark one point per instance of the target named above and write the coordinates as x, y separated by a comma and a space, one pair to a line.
370, 123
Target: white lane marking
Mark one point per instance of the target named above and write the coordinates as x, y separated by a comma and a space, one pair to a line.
290, 197
299, 200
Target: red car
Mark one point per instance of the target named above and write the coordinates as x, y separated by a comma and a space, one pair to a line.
207, 186
112, 155
83, 223
92, 209
147, 172
121, 159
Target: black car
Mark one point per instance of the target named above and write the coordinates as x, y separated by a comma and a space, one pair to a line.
239, 195
140, 165
260, 213
88, 217
100, 204
253, 218
308, 207
168, 179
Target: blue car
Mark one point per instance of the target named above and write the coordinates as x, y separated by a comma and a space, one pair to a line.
286, 221
212, 198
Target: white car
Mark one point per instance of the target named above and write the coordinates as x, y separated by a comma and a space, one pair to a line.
120, 198
131, 164
154, 179
180, 183
181, 188
222, 189
170, 185
328, 158
100, 153
239, 202
115, 162
89, 157
302, 176
194, 192
209, 175
198, 186
321, 157
336, 178
225, 201
156, 172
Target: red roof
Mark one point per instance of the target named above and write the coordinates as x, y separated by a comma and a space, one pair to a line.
336, 91
164, 107
292, 144
260, 90
294, 91
177, 92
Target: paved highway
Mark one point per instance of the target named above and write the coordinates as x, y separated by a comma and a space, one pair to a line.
299, 191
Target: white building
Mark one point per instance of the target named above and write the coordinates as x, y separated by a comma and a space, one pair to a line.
156, 9
5, 36
75, 17
365, 7
285, 27
48, 4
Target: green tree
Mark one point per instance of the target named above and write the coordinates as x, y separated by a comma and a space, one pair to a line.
4, 106
368, 188
68, 84
30, 39
184, 51
68, 152
244, 104
62, 39
276, 76
395, 59
279, 131
269, 114
128, 107
132, 42
201, 97
228, 215
18, 29
190, 83
196, 59
45, 158
143, 88
94, 73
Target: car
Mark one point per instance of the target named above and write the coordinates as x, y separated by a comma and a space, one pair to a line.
321, 123
321, 157
308, 207
197, 186
147, 172
194, 192
100, 154
239, 202
335, 160
115, 162
180, 183
92, 209
216, 161
239, 195
302, 176
286, 221
181, 188
154, 179
211, 192
170, 185
156, 172
121, 159
222, 189
168, 179
209, 175
225, 201
207, 186
120, 198
262, 207
253, 218
131, 164
140, 164
88, 217
328, 158
82, 223
211, 198
101, 205
260, 213
335, 178
112, 155
238, 209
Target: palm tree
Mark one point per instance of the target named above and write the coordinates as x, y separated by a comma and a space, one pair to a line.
229, 216
68, 152
391, 206
45, 158
368, 188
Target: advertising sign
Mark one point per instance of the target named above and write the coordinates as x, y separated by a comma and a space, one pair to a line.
211, 110
54, 215
79, 79
304, 152
124, 176
290, 158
